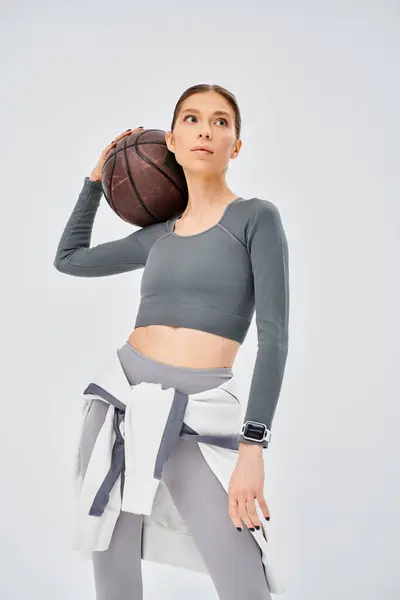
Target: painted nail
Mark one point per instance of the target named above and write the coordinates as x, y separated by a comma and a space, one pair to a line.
251, 528
257, 527
239, 528
128, 130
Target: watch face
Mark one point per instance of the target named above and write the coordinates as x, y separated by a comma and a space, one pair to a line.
255, 432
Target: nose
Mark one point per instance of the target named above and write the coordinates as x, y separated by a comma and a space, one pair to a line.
205, 134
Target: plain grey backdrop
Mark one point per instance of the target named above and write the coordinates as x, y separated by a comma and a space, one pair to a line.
318, 87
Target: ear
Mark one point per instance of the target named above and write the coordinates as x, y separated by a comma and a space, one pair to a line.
236, 149
169, 140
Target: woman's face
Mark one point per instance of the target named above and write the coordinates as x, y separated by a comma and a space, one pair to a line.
199, 123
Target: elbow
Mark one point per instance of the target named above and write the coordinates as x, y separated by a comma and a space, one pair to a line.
57, 264
62, 261
62, 265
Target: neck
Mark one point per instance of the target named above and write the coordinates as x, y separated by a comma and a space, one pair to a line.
204, 194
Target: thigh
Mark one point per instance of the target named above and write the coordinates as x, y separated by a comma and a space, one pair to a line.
117, 570
233, 558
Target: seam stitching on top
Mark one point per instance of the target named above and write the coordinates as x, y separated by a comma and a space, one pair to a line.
206, 307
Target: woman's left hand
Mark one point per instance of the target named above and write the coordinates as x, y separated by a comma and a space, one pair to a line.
246, 485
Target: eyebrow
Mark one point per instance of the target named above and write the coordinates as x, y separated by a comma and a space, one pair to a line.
216, 112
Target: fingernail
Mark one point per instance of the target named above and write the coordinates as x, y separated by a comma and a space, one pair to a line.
239, 528
112, 141
257, 527
267, 518
251, 528
128, 130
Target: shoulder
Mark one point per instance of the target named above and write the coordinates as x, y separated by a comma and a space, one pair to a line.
151, 233
250, 208
246, 218
263, 224
262, 214
155, 228
261, 206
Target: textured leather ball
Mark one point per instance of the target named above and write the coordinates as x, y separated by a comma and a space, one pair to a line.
142, 181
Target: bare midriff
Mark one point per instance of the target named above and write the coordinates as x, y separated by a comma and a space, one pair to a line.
182, 347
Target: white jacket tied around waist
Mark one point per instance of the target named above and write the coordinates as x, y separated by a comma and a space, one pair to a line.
142, 425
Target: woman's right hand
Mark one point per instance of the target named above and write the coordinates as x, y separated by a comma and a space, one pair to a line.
97, 171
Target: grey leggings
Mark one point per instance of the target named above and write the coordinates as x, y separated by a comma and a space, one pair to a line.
233, 558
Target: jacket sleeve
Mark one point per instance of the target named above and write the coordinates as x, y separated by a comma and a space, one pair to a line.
74, 256
268, 251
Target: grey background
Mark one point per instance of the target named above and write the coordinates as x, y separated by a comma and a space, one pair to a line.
318, 87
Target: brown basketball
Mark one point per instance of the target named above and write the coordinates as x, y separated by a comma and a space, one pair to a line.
142, 181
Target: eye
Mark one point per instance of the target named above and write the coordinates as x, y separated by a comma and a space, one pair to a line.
220, 119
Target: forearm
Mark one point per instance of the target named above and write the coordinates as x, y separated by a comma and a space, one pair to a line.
269, 253
266, 385
78, 230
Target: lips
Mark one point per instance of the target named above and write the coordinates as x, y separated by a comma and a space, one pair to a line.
203, 148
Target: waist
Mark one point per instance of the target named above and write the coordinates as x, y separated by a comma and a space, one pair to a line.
184, 347
139, 367
198, 318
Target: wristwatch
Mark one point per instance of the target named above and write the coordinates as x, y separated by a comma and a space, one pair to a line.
256, 432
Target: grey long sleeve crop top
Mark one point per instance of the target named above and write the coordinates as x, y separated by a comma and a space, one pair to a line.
213, 281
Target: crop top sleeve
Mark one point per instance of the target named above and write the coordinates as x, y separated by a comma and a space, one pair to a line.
268, 250
74, 256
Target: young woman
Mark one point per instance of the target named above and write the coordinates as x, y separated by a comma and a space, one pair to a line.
239, 264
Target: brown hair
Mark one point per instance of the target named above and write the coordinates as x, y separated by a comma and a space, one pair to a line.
209, 87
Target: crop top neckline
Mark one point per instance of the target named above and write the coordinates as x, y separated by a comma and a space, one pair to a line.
173, 221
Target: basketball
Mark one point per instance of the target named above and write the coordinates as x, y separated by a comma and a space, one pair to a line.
142, 181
